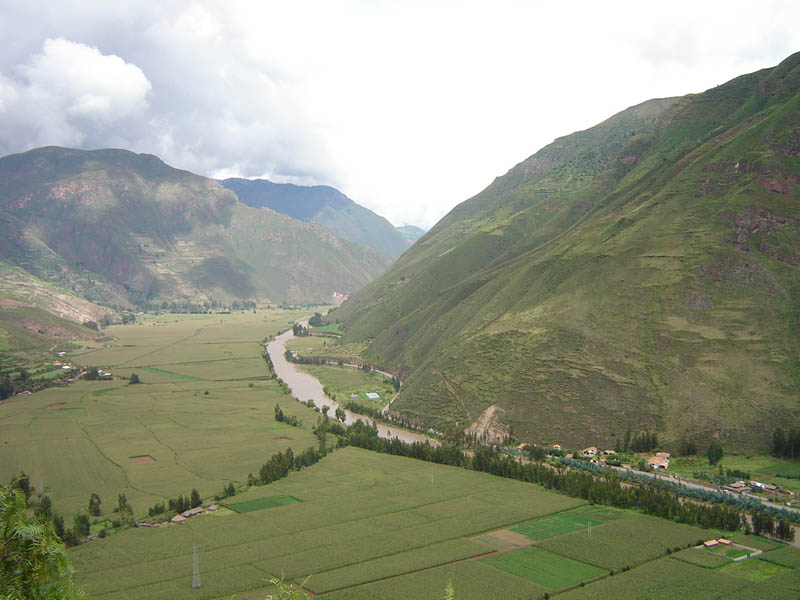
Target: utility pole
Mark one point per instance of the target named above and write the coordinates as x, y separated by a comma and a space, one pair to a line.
195, 569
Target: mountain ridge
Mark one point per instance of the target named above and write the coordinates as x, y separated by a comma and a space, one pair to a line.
324, 205
124, 229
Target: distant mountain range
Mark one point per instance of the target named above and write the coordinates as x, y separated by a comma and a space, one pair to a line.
643, 274
324, 205
411, 232
126, 230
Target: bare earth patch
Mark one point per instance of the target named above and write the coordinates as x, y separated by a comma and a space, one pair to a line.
504, 539
282, 439
487, 427
145, 458
56, 406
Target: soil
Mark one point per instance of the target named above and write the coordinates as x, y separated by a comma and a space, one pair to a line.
146, 458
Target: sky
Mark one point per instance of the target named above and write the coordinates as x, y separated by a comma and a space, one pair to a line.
408, 107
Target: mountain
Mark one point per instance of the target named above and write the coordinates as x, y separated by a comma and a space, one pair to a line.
643, 274
324, 205
411, 232
123, 229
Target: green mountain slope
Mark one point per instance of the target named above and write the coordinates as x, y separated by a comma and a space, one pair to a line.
324, 205
123, 229
642, 274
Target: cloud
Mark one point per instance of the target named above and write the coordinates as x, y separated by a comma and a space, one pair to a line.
69, 92
409, 108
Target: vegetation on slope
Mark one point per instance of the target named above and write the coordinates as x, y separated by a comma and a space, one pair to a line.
124, 229
641, 274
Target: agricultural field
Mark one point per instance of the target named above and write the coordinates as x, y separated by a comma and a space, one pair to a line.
367, 526
203, 415
362, 517
346, 382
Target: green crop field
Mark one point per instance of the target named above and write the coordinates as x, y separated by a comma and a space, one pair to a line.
204, 413
701, 558
788, 557
549, 570
662, 579
754, 569
262, 503
357, 508
347, 381
555, 525
625, 542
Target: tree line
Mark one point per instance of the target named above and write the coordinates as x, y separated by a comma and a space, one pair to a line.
607, 489
786, 445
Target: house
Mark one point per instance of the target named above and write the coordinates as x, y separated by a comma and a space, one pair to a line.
724, 541
590, 451
178, 519
192, 512
658, 462
521, 447
711, 543
609, 453
66, 368
663, 454
213, 508
373, 396
556, 446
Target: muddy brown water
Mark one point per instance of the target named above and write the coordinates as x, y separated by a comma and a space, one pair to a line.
306, 387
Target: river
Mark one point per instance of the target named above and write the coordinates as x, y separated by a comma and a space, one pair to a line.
306, 387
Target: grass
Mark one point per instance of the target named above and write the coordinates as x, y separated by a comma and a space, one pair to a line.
624, 542
554, 525
346, 381
662, 579
169, 374
788, 557
754, 569
701, 558
549, 570
757, 542
262, 503
352, 515
198, 440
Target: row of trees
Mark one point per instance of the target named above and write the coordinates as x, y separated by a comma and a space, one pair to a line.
288, 419
279, 465
786, 445
606, 489
640, 442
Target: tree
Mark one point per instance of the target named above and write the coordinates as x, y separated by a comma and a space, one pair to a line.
714, 452
340, 414
196, 500
134, 379
33, 561
94, 505
82, 526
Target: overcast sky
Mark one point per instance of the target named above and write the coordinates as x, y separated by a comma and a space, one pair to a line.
407, 107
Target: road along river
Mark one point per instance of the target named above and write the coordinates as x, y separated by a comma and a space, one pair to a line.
305, 387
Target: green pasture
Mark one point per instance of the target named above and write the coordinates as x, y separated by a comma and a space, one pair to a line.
344, 381
262, 503
786, 556
754, 569
701, 558
549, 570
358, 507
554, 525
625, 542
661, 579
204, 411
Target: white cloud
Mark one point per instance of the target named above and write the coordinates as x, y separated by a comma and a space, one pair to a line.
407, 107
69, 91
